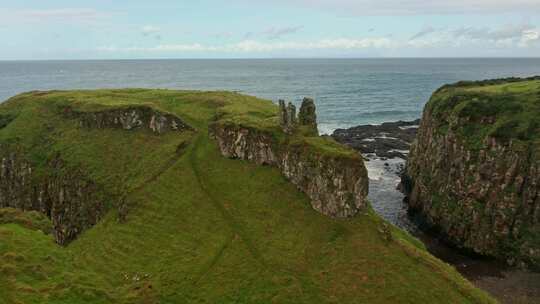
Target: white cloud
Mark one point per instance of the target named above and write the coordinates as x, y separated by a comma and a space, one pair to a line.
274, 32
47, 15
423, 32
160, 48
529, 37
149, 30
419, 7
508, 31
507, 36
252, 46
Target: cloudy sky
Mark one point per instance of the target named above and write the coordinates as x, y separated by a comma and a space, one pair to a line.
61, 29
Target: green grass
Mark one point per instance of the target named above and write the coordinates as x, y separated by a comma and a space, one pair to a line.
201, 228
502, 109
33, 220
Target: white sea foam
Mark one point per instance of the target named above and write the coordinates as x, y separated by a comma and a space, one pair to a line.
328, 128
377, 170
409, 127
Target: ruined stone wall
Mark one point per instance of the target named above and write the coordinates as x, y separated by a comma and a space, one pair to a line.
306, 120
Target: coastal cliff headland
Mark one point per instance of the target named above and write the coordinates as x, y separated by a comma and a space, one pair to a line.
162, 196
473, 171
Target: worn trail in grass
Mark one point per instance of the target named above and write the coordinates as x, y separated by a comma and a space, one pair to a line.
205, 229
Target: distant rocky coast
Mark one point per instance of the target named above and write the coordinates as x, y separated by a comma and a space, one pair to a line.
388, 140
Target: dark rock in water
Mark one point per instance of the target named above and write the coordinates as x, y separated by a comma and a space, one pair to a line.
388, 140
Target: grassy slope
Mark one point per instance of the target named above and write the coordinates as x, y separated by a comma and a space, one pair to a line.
202, 228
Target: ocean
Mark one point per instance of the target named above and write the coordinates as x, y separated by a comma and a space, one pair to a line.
347, 92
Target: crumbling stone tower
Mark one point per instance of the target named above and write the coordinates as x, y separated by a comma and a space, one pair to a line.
307, 116
287, 116
307, 119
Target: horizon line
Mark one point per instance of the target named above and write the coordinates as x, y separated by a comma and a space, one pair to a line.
272, 58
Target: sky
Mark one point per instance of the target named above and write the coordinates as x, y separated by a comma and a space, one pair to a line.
133, 29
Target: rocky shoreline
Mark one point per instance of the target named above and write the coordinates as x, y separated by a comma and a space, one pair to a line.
384, 148
388, 140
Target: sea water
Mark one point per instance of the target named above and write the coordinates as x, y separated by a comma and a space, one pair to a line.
348, 92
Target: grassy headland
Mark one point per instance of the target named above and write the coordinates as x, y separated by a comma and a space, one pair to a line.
200, 228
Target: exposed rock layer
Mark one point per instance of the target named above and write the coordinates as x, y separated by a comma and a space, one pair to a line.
67, 198
337, 186
482, 199
132, 118
64, 195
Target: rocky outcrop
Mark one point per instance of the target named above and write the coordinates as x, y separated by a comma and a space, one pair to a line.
133, 117
336, 184
68, 198
387, 140
484, 197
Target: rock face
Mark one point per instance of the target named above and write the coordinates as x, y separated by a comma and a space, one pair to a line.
337, 184
484, 197
131, 118
68, 199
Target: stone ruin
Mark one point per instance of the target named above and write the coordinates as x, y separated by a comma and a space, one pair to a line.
307, 118
287, 116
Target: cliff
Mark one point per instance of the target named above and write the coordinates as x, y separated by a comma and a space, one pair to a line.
337, 184
333, 176
64, 192
474, 170
69, 199
130, 118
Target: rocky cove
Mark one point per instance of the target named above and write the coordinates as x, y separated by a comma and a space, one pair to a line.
386, 148
379, 144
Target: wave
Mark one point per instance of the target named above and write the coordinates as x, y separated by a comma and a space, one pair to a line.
390, 112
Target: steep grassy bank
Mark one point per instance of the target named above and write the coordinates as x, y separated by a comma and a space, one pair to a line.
199, 228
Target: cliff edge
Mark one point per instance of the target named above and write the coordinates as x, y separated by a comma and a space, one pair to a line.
474, 169
333, 176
